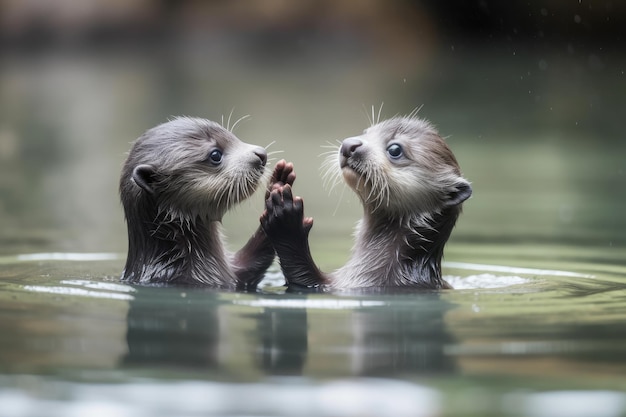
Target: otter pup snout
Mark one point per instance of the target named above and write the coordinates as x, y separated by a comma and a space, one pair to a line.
349, 146
262, 154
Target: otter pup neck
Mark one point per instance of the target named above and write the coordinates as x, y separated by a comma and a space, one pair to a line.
177, 251
397, 252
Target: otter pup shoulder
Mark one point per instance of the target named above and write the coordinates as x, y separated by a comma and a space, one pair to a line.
411, 189
177, 183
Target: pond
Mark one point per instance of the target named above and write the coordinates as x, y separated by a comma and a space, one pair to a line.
535, 327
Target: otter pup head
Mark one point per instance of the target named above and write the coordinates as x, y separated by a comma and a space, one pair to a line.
188, 169
402, 167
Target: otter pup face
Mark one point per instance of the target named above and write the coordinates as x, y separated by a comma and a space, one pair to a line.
191, 168
404, 167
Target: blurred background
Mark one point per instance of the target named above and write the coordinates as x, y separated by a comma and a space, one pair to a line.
530, 95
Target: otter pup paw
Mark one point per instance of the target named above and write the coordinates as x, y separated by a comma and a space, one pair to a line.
283, 219
286, 227
283, 174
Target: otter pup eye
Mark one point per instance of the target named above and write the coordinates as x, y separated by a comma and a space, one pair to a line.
394, 151
216, 156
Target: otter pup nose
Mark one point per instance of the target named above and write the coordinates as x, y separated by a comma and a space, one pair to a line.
348, 146
262, 154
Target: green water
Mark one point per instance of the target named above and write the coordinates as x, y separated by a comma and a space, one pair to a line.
536, 326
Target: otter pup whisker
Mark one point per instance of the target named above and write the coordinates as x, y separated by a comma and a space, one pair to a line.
228, 122
372, 118
272, 153
269, 154
178, 181
241, 119
380, 109
411, 189
330, 179
367, 111
415, 111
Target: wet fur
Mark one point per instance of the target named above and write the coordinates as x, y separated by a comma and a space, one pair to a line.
410, 207
174, 198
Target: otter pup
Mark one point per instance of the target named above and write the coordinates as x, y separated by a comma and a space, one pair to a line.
411, 188
178, 181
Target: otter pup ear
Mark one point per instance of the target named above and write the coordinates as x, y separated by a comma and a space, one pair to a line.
143, 175
461, 192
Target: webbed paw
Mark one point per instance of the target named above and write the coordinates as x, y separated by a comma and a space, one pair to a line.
283, 219
283, 174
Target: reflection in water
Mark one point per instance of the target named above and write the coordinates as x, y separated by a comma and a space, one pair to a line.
288, 335
52, 323
408, 339
573, 324
282, 339
366, 335
168, 327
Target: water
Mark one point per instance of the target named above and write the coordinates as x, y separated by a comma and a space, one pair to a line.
535, 326
507, 341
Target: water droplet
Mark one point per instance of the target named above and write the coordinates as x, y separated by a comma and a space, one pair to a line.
543, 65
475, 308
577, 19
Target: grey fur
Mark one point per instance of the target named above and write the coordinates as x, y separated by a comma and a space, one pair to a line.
411, 201
408, 212
174, 198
